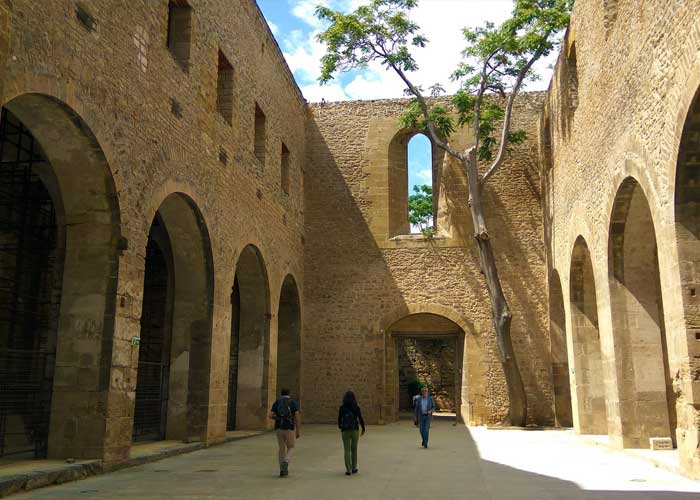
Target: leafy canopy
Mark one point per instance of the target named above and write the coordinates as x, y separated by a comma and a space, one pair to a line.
496, 60
420, 207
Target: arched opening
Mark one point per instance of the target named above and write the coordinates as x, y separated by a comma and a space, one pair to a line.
646, 406
172, 388
687, 225
419, 166
289, 339
250, 332
59, 230
424, 349
588, 364
560, 359
411, 161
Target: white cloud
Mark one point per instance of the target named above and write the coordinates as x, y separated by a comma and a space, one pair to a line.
306, 11
273, 27
425, 174
440, 20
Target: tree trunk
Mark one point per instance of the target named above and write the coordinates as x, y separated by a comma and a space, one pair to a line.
517, 413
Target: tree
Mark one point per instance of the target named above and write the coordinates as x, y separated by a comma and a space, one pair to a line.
420, 208
496, 62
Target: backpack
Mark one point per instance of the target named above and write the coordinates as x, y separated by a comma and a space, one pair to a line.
348, 420
284, 414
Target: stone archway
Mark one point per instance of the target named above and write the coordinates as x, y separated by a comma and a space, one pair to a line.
560, 359
250, 343
591, 416
69, 200
289, 339
646, 404
172, 390
425, 348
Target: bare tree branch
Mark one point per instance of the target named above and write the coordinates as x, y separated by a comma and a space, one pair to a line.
506, 120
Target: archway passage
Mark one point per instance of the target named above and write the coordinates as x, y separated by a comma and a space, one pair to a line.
289, 339
424, 349
251, 314
150, 411
31, 265
588, 365
647, 406
233, 355
172, 392
560, 360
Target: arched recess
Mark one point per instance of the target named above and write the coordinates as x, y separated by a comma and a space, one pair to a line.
687, 225
172, 389
250, 333
398, 178
57, 187
560, 360
289, 339
427, 348
647, 405
588, 365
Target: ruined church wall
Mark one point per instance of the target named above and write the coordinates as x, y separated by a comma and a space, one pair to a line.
360, 280
638, 70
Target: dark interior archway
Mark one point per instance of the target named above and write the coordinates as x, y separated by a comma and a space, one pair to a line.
60, 203
289, 339
588, 364
250, 327
560, 359
172, 391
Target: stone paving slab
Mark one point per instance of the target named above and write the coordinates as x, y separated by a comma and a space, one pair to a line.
29, 475
461, 463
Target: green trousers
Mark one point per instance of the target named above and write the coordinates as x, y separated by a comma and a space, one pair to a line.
350, 439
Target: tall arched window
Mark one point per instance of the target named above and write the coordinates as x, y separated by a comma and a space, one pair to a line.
419, 166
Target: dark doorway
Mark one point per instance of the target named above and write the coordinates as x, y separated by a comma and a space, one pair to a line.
31, 263
150, 412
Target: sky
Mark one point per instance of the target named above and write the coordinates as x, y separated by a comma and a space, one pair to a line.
295, 27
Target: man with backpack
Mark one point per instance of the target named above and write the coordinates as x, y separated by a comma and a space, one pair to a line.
287, 417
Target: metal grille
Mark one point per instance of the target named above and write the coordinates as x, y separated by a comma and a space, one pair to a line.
233, 356
152, 381
29, 294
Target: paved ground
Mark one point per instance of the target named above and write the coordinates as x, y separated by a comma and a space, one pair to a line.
476, 464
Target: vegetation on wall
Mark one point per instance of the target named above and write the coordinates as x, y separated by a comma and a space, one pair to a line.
497, 60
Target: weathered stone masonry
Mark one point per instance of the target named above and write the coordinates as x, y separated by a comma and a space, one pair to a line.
176, 126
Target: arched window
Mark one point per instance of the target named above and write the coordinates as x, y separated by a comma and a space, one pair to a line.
419, 166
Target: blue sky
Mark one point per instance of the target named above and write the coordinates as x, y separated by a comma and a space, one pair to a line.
295, 27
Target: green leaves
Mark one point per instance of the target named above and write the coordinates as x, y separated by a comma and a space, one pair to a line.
380, 31
420, 207
496, 63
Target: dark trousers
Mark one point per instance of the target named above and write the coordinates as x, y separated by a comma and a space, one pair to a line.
424, 427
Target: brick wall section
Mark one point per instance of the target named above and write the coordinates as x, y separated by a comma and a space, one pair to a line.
358, 282
431, 362
638, 73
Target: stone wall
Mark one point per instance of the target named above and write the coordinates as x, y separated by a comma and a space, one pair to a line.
430, 362
361, 279
126, 127
615, 116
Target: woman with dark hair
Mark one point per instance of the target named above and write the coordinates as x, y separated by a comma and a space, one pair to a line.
349, 422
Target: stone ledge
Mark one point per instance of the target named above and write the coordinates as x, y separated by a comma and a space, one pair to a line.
54, 473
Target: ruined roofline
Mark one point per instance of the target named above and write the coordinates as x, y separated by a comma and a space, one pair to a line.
396, 100
287, 71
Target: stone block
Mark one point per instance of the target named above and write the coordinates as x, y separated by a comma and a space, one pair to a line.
660, 443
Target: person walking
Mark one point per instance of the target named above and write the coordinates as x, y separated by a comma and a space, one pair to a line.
285, 412
424, 408
349, 422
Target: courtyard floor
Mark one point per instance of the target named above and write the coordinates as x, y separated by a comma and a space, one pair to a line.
473, 464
